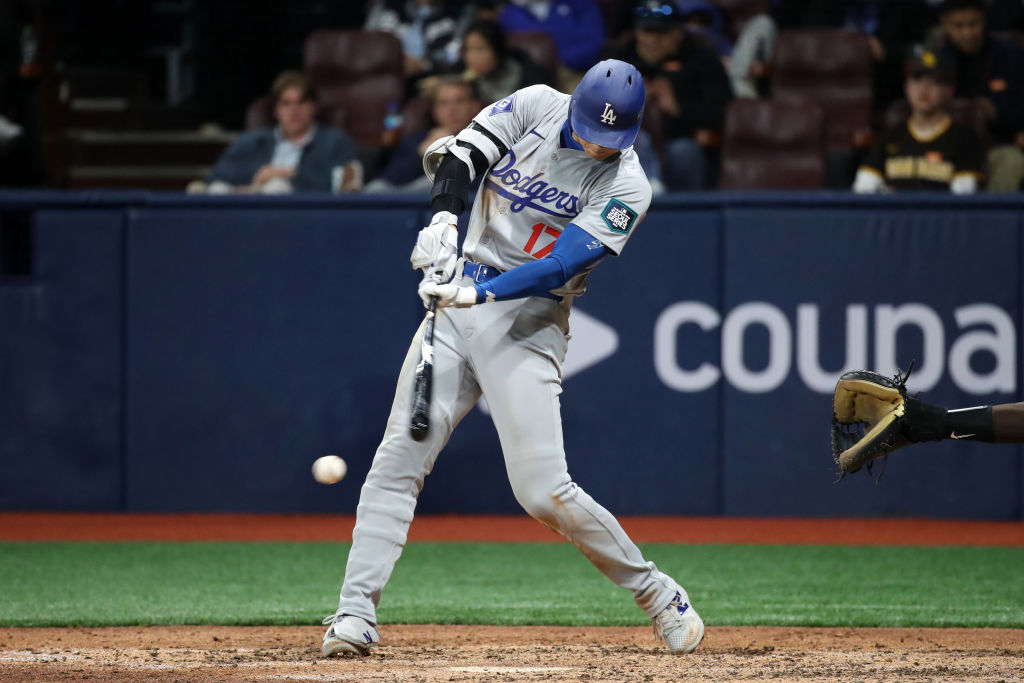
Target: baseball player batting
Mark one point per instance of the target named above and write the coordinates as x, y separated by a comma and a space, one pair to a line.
561, 189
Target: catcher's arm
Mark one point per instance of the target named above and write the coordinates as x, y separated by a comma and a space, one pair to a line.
1008, 422
873, 416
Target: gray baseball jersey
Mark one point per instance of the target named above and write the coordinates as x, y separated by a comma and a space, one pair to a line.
538, 187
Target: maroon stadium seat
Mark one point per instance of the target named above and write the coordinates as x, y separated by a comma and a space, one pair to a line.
357, 74
337, 56
773, 145
831, 67
418, 114
1012, 37
260, 114
539, 47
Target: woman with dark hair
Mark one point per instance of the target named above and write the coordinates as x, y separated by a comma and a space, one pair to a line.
497, 69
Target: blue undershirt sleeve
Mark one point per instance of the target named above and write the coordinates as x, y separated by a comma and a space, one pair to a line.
575, 250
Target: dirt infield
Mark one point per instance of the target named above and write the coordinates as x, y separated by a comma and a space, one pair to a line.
431, 654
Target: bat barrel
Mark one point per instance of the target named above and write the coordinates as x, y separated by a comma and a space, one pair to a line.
419, 425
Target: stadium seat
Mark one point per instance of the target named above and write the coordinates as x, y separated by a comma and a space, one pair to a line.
539, 47
773, 145
417, 114
260, 114
831, 67
358, 75
333, 56
1012, 37
360, 107
963, 111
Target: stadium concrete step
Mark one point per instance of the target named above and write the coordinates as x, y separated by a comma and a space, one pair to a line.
141, 159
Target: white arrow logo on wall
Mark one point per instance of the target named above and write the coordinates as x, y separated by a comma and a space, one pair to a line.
592, 342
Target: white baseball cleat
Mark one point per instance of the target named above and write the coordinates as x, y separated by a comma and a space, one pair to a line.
679, 626
348, 635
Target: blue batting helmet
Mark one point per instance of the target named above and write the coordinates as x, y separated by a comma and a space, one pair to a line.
608, 105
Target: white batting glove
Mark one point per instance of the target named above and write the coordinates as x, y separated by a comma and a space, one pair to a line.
447, 294
437, 247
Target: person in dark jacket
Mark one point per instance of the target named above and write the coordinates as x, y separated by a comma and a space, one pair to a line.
453, 106
990, 72
577, 27
686, 83
497, 69
297, 155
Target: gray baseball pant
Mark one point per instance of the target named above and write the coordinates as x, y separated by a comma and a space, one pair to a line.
512, 353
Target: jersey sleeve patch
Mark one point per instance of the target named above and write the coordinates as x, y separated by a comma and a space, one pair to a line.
619, 217
503, 106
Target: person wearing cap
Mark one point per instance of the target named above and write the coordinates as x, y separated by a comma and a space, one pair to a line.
686, 82
929, 151
990, 72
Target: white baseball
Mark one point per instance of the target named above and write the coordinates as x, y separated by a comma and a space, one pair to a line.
329, 469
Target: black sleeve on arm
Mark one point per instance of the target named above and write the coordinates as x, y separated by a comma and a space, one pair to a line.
451, 186
476, 156
452, 181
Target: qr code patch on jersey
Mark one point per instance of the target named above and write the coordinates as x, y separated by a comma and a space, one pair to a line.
618, 216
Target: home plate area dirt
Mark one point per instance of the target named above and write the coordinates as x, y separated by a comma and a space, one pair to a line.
528, 653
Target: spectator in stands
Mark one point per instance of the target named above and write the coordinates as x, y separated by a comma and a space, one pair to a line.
705, 19
929, 151
747, 62
297, 155
577, 27
429, 30
496, 69
10, 59
455, 103
22, 161
990, 72
686, 84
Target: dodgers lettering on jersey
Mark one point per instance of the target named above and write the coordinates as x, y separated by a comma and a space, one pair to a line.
529, 191
538, 187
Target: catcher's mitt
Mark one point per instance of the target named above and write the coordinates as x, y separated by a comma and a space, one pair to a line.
873, 416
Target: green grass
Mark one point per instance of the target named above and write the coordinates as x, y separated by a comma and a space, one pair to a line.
96, 584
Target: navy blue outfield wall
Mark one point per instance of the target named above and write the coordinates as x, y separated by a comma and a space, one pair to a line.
174, 353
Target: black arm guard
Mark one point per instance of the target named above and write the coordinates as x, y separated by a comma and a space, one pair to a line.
451, 186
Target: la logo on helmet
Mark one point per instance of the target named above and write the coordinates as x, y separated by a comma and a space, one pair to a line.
609, 114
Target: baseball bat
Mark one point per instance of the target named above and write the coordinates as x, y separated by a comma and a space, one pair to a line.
419, 425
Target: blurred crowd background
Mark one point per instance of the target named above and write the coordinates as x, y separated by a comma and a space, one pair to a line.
226, 96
